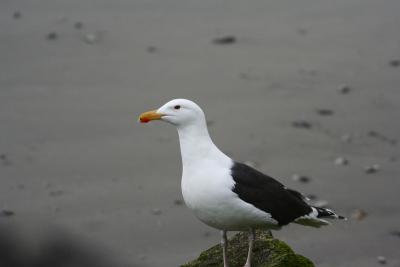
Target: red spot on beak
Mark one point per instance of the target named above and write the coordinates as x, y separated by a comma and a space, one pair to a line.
144, 120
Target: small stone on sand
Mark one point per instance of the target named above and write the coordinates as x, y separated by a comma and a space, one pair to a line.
300, 178
156, 211
344, 89
91, 38
302, 124
5, 160
372, 169
17, 15
324, 112
78, 25
151, 49
341, 161
382, 137
6, 213
381, 260
394, 63
178, 202
395, 233
359, 214
52, 36
225, 40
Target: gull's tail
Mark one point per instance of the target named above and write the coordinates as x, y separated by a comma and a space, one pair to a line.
314, 218
327, 213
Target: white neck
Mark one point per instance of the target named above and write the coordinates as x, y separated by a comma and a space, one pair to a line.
196, 145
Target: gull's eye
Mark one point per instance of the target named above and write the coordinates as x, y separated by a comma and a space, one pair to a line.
177, 107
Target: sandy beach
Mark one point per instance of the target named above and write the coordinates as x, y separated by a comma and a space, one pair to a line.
301, 84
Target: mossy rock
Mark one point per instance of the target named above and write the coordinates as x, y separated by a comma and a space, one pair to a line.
267, 252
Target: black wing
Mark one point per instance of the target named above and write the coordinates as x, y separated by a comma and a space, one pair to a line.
267, 194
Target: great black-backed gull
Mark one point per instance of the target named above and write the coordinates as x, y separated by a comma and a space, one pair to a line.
225, 194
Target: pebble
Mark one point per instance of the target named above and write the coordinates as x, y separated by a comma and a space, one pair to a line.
372, 169
91, 38
6, 213
78, 25
359, 214
381, 260
300, 178
395, 233
302, 124
156, 211
344, 89
5, 160
341, 161
52, 36
325, 112
381, 137
374, 134
151, 49
321, 204
394, 63
225, 40
178, 202
17, 15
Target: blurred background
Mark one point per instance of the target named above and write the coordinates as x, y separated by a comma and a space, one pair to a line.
306, 91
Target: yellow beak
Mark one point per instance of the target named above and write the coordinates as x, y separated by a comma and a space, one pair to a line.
150, 116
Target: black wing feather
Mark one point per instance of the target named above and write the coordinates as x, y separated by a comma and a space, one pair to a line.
266, 193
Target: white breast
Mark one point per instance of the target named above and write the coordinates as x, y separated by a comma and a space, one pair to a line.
207, 191
207, 183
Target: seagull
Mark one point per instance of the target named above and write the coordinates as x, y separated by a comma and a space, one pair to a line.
226, 194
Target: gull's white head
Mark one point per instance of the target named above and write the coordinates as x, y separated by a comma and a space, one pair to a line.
179, 112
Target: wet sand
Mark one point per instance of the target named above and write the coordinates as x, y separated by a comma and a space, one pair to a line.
74, 157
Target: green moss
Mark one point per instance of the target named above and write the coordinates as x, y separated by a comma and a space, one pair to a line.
267, 252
